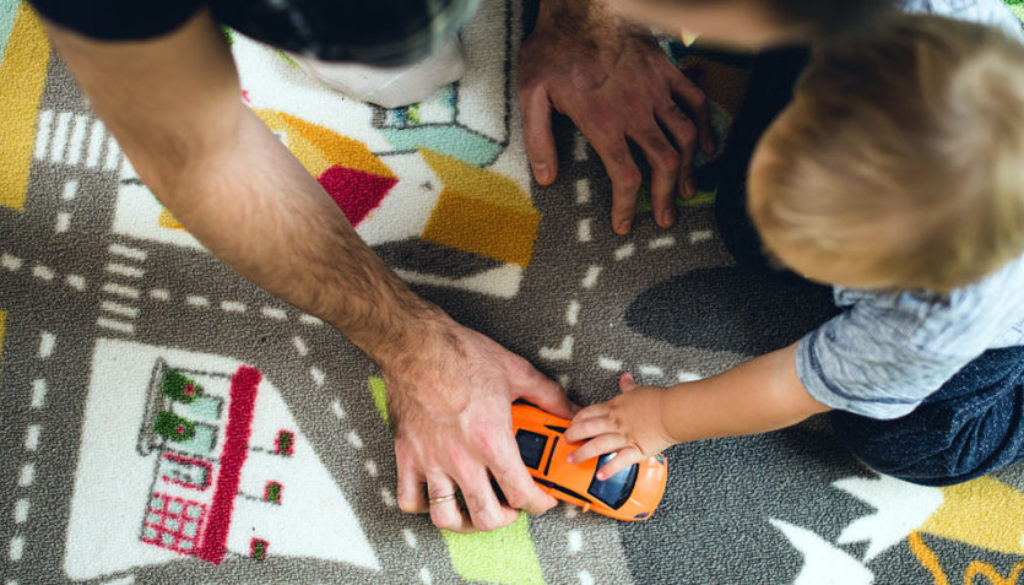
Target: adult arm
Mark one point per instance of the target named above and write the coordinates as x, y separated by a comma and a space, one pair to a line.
761, 395
617, 86
173, 104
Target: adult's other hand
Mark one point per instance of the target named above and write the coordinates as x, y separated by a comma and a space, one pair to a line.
617, 86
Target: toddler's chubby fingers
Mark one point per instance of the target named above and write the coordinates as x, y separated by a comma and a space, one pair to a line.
599, 446
590, 412
627, 383
623, 459
587, 427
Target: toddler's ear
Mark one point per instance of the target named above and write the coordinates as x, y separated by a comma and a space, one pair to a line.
627, 383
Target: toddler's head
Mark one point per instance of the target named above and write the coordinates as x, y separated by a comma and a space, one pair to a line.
900, 162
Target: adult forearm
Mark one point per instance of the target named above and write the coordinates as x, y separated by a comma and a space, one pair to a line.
173, 104
254, 206
583, 16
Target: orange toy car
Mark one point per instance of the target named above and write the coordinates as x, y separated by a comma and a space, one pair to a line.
631, 494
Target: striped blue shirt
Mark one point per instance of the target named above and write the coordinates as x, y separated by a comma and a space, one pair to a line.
888, 351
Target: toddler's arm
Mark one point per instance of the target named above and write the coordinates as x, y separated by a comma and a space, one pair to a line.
763, 394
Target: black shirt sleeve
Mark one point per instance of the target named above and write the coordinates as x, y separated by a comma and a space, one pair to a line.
119, 19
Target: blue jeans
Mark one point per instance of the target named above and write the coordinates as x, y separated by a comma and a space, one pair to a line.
972, 426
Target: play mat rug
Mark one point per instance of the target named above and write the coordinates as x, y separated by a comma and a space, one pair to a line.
117, 330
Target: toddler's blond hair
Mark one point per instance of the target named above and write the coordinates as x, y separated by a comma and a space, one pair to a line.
903, 149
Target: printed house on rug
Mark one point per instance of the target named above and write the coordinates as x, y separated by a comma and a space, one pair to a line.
212, 465
202, 446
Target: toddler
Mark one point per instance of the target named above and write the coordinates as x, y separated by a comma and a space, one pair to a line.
895, 175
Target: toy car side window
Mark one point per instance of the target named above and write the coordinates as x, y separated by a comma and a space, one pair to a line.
615, 490
531, 447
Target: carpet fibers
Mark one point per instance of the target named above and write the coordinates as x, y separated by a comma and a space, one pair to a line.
164, 421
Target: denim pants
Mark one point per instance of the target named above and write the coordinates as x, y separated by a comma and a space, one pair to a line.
971, 426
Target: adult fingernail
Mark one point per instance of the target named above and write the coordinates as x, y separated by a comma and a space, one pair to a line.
624, 226
667, 217
690, 187
628, 377
542, 172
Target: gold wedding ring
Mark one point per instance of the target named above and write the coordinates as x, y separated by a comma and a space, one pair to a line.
441, 499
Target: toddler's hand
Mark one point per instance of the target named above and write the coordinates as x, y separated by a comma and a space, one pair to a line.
629, 425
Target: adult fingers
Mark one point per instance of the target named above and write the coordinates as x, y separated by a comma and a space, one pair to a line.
411, 497
519, 489
625, 177
548, 396
665, 162
697, 101
538, 137
485, 511
684, 132
444, 505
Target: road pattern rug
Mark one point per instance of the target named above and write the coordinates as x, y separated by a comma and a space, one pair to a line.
166, 422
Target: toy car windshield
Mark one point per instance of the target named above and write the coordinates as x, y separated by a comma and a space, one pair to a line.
615, 490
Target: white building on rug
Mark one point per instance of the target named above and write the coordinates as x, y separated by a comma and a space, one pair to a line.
191, 456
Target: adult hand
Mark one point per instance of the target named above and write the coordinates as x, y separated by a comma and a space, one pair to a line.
630, 425
617, 86
450, 407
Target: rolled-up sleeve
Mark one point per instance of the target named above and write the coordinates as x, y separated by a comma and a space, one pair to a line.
869, 360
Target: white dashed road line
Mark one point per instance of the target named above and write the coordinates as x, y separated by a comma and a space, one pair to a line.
625, 252
197, 301
120, 290
662, 242
337, 409
128, 252
38, 393
561, 353
43, 272
274, 313
318, 376
47, 343
21, 509
12, 263
115, 325
583, 230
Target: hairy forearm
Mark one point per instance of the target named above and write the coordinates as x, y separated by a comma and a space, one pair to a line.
256, 208
586, 17
173, 105
761, 395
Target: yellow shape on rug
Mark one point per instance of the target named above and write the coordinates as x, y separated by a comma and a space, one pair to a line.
22, 77
319, 148
308, 154
984, 513
481, 211
169, 221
